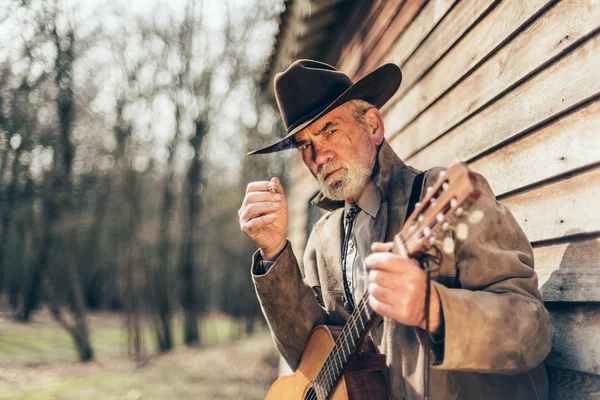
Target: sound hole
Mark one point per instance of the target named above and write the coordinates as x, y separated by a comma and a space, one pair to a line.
310, 395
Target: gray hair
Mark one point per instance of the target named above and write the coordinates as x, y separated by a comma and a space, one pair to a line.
359, 108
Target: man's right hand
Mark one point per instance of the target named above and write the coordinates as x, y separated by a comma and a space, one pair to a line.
264, 217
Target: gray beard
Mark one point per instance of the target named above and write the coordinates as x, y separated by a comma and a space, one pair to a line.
356, 178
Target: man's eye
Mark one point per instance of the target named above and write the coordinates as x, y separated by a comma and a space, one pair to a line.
305, 146
331, 132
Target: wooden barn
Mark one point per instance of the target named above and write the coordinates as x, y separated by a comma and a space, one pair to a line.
512, 88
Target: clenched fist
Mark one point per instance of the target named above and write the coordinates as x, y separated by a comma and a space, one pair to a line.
264, 217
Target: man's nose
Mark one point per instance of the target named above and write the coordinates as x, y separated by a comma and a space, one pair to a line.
322, 154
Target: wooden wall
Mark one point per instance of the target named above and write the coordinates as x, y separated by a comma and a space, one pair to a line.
512, 88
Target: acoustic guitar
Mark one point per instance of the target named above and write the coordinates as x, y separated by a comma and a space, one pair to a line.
343, 363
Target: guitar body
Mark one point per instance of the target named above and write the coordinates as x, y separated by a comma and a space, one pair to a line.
363, 378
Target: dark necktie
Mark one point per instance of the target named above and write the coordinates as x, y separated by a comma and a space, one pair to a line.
349, 222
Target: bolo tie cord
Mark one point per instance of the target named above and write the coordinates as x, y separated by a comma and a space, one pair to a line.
428, 263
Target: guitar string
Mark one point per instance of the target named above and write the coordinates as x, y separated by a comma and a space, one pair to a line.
335, 354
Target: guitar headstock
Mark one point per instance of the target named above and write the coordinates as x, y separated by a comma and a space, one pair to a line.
443, 209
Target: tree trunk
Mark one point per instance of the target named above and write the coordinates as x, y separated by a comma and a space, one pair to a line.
189, 246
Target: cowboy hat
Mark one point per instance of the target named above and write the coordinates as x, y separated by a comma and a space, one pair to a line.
309, 89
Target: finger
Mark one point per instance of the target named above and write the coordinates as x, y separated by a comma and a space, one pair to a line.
379, 247
257, 209
390, 262
385, 278
381, 308
385, 295
275, 186
258, 197
259, 186
260, 222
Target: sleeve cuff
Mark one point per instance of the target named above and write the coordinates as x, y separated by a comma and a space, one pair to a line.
260, 266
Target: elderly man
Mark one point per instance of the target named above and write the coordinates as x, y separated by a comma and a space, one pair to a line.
489, 329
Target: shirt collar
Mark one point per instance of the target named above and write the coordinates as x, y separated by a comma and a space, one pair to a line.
369, 200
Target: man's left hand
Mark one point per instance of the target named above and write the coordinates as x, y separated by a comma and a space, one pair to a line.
397, 289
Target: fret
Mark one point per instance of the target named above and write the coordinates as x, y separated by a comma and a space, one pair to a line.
353, 322
347, 346
361, 321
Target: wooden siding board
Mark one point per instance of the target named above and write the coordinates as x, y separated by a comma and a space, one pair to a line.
569, 272
575, 333
402, 19
551, 36
562, 146
418, 30
351, 54
454, 25
503, 21
571, 385
558, 209
567, 83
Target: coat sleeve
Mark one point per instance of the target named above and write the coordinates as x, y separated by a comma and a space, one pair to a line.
291, 304
495, 321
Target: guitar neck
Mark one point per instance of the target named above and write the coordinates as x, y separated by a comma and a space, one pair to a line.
352, 335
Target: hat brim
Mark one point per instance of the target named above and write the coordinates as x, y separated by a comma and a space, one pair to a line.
376, 88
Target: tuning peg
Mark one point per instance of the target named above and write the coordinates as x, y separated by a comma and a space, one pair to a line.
448, 245
459, 212
439, 217
429, 189
462, 231
442, 173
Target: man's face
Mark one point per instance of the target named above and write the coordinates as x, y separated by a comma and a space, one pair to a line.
340, 151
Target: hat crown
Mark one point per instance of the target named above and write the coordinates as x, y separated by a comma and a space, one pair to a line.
307, 87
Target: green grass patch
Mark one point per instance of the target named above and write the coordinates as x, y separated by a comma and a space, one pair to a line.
37, 361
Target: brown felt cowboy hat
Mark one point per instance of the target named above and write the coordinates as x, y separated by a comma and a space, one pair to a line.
309, 89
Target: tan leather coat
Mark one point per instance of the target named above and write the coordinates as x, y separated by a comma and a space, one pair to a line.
497, 331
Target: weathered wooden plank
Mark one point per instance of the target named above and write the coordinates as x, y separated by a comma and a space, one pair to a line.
454, 25
550, 36
401, 20
504, 20
380, 28
571, 385
557, 148
575, 333
418, 30
558, 209
351, 55
353, 18
566, 83
570, 271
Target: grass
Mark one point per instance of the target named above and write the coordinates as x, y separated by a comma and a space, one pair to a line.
37, 361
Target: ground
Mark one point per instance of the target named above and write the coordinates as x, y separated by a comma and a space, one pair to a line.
37, 362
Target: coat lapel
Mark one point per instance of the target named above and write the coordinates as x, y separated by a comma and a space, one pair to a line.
380, 224
330, 233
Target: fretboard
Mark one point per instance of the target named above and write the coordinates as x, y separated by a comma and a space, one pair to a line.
352, 334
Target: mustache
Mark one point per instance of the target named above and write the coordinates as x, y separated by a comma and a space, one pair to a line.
325, 169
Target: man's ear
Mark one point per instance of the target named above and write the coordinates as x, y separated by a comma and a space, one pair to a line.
375, 123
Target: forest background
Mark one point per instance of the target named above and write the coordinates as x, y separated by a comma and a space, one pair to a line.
123, 132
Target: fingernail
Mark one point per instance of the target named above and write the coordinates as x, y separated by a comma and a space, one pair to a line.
278, 196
